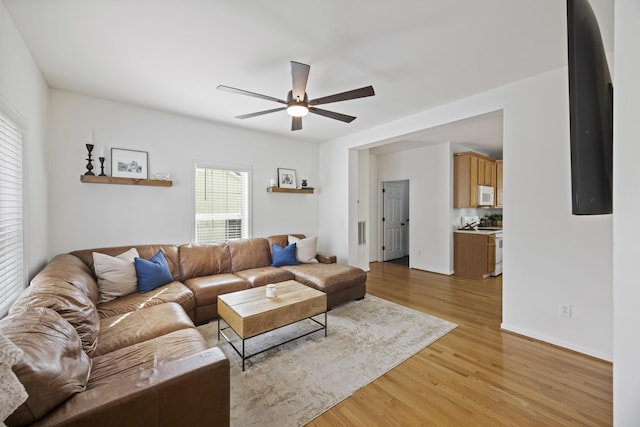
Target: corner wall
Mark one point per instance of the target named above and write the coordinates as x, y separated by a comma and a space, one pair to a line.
23, 97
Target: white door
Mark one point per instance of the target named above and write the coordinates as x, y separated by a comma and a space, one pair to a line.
394, 220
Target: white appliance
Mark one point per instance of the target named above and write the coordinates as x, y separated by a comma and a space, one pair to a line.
498, 269
485, 195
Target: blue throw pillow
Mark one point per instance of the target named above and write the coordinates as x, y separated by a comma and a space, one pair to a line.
284, 256
152, 273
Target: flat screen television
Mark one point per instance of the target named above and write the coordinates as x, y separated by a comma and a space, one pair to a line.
591, 113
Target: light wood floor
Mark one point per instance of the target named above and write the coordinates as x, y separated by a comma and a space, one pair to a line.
477, 375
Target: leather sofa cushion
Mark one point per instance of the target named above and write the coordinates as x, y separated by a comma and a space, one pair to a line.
171, 292
142, 357
72, 270
53, 367
306, 249
329, 278
265, 275
206, 289
205, 313
198, 260
282, 240
131, 328
69, 302
249, 253
145, 251
116, 275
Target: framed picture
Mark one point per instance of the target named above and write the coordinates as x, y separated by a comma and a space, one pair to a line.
128, 163
286, 178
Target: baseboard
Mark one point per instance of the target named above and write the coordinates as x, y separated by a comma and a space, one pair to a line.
554, 341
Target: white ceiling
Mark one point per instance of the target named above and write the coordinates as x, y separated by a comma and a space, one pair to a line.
171, 54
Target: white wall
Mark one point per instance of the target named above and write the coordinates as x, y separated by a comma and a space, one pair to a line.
364, 171
92, 215
626, 369
429, 173
374, 208
333, 198
23, 97
550, 257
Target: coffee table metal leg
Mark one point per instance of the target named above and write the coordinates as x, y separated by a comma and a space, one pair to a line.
243, 358
325, 324
218, 329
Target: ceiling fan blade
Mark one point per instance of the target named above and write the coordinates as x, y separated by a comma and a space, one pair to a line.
332, 114
344, 96
247, 93
296, 123
260, 113
299, 76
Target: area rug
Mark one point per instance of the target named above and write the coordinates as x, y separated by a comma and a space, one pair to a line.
294, 383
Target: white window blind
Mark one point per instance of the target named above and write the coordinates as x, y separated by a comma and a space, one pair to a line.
11, 214
222, 204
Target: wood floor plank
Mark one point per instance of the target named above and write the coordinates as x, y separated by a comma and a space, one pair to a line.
478, 374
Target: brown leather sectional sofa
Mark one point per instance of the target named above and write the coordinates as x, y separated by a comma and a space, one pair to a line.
138, 360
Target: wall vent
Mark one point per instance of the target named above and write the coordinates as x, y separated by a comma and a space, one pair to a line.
362, 233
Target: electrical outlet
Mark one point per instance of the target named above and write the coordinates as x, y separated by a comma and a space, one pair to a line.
565, 310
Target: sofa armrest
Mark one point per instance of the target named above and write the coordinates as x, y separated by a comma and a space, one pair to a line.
326, 259
194, 391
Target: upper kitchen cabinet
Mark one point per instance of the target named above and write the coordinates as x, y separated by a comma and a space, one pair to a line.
486, 172
498, 196
470, 170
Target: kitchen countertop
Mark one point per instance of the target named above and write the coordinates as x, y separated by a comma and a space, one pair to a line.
478, 231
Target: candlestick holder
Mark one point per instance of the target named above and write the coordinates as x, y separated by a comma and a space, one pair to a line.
102, 166
89, 160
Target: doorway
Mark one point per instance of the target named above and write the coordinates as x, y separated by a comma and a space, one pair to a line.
395, 221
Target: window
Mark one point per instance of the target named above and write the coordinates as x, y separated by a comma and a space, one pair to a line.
11, 215
221, 204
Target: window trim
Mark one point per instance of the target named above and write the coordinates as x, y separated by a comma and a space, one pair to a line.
224, 166
14, 118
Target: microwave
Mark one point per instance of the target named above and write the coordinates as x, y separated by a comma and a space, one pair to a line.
485, 195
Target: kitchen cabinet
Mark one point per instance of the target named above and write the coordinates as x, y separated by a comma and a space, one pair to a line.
470, 170
486, 172
498, 193
474, 254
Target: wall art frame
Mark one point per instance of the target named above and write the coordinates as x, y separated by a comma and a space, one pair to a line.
287, 178
129, 163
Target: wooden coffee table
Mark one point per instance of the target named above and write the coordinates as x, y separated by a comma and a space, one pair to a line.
250, 313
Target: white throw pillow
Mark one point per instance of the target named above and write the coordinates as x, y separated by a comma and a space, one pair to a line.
306, 249
116, 275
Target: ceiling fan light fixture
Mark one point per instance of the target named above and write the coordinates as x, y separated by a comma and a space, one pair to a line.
297, 102
297, 109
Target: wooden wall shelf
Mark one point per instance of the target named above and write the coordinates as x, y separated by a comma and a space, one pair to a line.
125, 181
290, 190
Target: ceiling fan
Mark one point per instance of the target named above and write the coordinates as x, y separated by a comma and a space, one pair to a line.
298, 104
